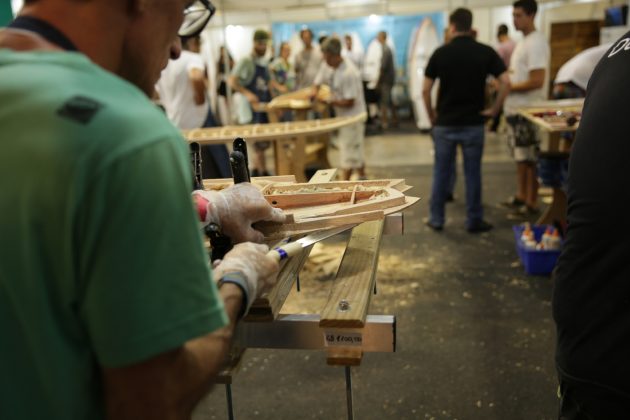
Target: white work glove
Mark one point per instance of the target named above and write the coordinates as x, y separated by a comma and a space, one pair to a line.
235, 209
250, 261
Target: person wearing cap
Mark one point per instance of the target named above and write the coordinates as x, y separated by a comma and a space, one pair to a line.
347, 100
108, 306
250, 77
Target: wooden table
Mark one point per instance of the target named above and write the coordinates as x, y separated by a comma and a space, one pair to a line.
551, 118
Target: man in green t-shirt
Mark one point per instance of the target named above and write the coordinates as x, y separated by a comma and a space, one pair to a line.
107, 304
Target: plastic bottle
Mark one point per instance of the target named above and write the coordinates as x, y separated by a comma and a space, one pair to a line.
546, 237
527, 233
554, 242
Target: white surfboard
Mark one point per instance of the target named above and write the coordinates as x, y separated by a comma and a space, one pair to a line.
424, 40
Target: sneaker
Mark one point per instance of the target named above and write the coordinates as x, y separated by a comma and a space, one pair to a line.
437, 228
513, 203
481, 226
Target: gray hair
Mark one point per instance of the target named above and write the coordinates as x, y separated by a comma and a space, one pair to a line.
332, 46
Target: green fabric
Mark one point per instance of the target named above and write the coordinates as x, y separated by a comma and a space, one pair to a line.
6, 13
102, 262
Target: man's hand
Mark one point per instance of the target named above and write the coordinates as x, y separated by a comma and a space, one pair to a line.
490, 112
252, 262
235, 209
251, 98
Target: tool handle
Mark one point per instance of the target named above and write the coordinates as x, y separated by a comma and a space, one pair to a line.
239, 145
285, 251
240, 172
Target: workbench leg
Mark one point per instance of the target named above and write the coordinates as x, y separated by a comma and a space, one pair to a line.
228, 396
349, 393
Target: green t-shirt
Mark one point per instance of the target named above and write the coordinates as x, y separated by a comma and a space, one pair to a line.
101, 259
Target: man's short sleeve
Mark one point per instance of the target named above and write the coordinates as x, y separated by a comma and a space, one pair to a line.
195, 62
148, 287
244, 70
538, 54
431, 70
497, 66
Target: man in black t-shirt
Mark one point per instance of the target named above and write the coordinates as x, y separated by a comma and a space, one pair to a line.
462, 67
591, 299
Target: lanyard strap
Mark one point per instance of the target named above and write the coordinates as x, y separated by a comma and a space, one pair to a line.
43, 29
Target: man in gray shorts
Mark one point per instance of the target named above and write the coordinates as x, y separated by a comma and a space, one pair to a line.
528, 72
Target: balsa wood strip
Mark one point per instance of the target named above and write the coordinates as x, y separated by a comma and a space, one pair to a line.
349, 300
287, 201
276, 231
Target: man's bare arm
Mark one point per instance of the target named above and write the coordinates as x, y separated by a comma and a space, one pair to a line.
427, 86
536, 80
168, 386
198, 82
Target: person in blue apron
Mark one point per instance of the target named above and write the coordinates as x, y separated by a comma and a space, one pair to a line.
250, 78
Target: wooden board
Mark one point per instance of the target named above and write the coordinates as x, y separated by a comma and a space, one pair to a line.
354, 283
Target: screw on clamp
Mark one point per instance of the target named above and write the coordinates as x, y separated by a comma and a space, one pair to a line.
344, 306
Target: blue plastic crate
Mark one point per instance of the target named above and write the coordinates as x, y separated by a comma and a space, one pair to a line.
536, 262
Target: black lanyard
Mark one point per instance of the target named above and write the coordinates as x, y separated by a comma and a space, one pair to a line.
43, 29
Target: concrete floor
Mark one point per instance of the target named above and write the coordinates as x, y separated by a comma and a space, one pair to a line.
475, 334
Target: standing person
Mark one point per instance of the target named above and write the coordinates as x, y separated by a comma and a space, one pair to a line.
282, 72
352, 53
386, 79
223, 73
251, 78
505, 46
182, 88
462, 67
283, 77
591, 287
347, 101
107, 303
307, 61
528, 71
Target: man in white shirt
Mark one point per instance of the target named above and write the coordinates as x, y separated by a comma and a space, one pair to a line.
182, 91
352, 53
307, 61
347, 100
528, 73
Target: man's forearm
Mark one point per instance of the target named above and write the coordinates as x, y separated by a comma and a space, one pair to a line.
168, 386
426, 98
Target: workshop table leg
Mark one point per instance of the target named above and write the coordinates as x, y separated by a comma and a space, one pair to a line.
349, 393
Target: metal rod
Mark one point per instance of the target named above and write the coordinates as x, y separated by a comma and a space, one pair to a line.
349, 393
228, 396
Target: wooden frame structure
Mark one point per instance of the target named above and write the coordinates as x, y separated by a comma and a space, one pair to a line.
552, 117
